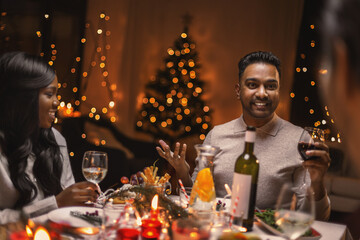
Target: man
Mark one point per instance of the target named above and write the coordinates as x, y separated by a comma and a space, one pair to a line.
341, 84
275, 144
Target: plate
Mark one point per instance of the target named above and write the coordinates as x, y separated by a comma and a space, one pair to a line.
63, 216
315, 234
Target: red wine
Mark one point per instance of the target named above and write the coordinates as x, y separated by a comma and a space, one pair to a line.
127, 234
303, 147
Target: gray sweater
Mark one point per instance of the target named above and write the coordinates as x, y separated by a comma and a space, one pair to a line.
275, 148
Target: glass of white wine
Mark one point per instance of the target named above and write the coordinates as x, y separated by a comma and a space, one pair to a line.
95, 166
295, 212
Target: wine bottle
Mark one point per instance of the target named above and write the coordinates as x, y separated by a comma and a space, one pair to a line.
244, 184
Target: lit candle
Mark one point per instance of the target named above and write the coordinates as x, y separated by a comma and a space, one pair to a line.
154, 207
150, 234
41, 234
151, 227
87, 230
21, 235
243, 229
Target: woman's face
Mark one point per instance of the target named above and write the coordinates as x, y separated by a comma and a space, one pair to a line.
48, 104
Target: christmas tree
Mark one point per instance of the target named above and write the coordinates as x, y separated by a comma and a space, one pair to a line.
173, 107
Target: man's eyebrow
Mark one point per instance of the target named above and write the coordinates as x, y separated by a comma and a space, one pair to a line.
272, 80
252, 79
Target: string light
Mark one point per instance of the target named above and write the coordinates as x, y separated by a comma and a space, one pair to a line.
313, 111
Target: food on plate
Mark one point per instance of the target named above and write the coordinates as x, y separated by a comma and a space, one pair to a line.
92, 218
267, 216
238, 235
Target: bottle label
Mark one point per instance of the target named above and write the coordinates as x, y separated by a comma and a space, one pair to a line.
241, 189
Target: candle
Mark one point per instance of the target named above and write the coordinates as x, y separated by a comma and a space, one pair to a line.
127, 234
21, 235
150, 234
151, 223
151, 227
154, 207
87, 230
41, 234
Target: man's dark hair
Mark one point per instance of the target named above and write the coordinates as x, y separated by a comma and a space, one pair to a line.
341, 20
258, 57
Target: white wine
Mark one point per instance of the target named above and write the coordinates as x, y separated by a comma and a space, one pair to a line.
245, 183
293, 224
94, 174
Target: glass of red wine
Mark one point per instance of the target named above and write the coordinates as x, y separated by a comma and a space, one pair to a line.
308, 138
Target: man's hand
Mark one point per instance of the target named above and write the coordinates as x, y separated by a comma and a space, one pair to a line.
318, 168
77, 194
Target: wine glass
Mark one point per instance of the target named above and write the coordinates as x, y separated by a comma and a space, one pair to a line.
95, 166
294, 213
307, 140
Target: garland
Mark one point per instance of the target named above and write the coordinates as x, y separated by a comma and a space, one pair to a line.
144, 196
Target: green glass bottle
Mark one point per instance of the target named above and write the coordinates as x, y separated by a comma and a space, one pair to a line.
245, 184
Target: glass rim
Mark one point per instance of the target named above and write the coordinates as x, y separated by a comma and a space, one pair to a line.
96, 152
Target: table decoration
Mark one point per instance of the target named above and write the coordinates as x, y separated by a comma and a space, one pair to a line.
129, 224
151, 225
46, 231
189, 229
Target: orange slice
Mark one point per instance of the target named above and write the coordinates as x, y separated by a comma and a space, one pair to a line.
203, 187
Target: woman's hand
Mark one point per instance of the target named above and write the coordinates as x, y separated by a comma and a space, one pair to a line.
318, 167
177, 160
77, 194
174, 158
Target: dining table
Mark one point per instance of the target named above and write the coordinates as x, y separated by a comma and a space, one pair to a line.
328, 230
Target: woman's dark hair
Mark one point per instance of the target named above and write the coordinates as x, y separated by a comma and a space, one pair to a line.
341, 21
258, 57
21, 77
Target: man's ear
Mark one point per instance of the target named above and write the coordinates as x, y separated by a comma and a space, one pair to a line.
237, 90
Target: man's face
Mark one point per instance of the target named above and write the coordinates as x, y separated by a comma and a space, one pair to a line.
48, 104
258, 91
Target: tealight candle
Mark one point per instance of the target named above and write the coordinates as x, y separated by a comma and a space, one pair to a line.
21, 235
151, 223
150, 234
151, 227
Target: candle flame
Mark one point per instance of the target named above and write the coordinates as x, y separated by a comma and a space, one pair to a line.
243, 229
41, 234
28, 231
154, 202
194, 235
88, 230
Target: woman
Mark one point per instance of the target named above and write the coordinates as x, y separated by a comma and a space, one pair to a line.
35, 172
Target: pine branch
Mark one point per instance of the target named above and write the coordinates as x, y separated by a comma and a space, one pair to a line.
142, 202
